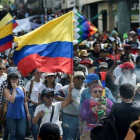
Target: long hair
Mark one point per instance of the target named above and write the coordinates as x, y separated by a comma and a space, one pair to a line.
136, 123
46, 83
9, 85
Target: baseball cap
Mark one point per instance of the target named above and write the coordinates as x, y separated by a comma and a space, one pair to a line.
12, 71
48, 74
132, 32
128, 65
124, 57
80, 67
49, 131
86, 61
103, 64
47, 90
103, 50
91, 77
79, 73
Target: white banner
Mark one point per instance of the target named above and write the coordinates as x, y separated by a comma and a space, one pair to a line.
24, 24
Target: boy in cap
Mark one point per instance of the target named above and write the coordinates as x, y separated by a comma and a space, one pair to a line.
49, 111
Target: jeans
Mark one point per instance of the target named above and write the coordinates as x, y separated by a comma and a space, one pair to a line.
34, 127
6, 132
17, 128
70, 125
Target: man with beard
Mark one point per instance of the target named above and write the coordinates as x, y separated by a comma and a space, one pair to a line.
128, 75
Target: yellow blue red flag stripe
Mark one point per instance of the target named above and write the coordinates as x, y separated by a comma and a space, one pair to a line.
6, 37
48, 48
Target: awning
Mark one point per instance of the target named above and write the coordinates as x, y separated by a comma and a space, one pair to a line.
96, 16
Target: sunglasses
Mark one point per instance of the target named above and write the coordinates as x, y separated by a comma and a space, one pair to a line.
38, 73
80, 78
48, 96
98, 91
50, 76
2, 68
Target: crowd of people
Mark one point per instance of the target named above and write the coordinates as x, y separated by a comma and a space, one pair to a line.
55, 106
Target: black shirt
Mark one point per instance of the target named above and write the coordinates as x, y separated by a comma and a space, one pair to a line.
125, 114
134, 45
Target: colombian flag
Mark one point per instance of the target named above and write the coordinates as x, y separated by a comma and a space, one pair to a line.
8, 19
6, 37
48, 48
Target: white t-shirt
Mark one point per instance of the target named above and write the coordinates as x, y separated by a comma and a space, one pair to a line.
73, 108
117, 71
47, 116
125, 80
57, 87
35, 90
3, 78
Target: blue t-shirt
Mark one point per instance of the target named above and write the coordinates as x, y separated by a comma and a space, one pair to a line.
16, 110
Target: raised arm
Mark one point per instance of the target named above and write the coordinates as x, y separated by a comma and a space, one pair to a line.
69, 98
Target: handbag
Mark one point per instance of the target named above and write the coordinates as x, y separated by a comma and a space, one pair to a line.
40, 119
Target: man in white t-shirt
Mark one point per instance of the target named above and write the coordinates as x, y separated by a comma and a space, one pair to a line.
70, 117
49, 111
32, 89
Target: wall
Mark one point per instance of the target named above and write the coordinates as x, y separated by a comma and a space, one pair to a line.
110, 18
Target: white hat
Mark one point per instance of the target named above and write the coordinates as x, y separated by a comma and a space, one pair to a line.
79, 73
48, 74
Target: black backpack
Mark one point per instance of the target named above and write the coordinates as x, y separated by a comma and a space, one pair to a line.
108, 129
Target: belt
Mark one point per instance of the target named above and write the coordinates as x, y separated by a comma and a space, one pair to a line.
71, 115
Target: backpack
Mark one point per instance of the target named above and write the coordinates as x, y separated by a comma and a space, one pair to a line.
108, 129
121, 78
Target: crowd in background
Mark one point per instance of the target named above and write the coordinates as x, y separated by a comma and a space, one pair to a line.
76, 108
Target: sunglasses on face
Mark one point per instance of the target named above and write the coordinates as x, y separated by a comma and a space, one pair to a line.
38, 72
80, 78
97, 91
50, 76
124, 68
2, 68
48, 96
